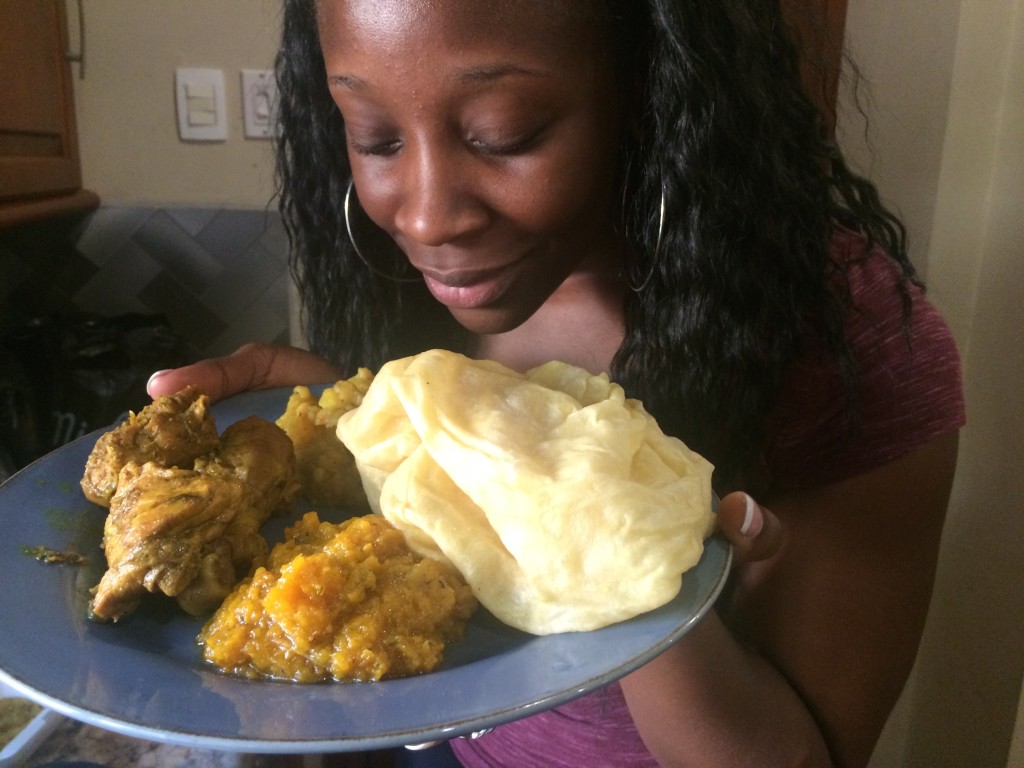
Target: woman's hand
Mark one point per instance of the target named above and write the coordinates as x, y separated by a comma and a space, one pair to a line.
809, 647
710, 684
253, 366
754, 531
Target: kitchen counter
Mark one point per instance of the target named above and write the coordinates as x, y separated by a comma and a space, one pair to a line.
74, 741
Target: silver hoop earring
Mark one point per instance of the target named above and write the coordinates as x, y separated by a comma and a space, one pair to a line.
657, 243
355, 246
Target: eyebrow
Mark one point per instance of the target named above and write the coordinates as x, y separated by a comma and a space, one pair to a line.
480, 74
496, 72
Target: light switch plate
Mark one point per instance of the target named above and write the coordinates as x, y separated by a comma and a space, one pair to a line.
198, 119
259, 103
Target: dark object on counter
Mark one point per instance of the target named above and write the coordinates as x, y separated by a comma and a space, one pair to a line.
66, 375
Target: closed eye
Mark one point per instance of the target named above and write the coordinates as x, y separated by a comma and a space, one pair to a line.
375, 149
507, 148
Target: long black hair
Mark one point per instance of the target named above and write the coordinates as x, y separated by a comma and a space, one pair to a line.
730, 281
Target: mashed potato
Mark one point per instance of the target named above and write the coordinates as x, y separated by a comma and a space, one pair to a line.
559, 500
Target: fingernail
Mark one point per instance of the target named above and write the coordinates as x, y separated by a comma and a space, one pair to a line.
156, 375
753, 520
424, 745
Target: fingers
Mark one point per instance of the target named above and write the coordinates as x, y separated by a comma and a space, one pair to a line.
754, 532
253, 366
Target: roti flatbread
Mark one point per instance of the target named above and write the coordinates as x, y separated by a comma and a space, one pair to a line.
558, 498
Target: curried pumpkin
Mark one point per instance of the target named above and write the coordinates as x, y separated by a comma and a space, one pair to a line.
345, 601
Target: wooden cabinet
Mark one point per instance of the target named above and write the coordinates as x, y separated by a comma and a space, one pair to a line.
819, 26
40, 173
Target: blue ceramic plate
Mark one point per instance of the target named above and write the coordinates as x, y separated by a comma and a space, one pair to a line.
144, 677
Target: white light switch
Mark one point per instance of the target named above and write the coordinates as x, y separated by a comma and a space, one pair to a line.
200, 103
202, 113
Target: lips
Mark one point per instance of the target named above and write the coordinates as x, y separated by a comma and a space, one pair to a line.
466, 289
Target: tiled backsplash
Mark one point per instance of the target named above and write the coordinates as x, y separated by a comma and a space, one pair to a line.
219, 276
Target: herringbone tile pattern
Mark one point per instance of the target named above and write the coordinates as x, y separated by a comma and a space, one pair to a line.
219, 276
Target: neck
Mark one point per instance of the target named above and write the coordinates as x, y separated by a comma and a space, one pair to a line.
581, 323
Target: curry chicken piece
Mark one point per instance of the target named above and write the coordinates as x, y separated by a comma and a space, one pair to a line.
192, 533
160, 521
171, 431
262, 457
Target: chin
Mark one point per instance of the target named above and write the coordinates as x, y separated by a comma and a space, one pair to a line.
489, 322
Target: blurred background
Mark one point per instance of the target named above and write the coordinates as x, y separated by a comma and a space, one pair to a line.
162, 249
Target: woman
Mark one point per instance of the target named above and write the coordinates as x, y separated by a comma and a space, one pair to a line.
642, 189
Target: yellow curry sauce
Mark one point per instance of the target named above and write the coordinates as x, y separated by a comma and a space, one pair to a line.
346, 602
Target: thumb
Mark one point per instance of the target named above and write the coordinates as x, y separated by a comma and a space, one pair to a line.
754, 531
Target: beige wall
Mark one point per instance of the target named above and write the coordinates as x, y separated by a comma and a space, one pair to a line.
904, 91
948, 87
977, 250
945, 146
127, 122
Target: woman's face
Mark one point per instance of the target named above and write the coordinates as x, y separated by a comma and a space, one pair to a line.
482, 137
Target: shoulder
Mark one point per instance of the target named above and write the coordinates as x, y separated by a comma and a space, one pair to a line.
898, 339
907, 379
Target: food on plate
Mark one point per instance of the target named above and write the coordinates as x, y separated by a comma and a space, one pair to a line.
549, 497
558, 498
171, 431
52, 556
326, 469
189, 530
345, 601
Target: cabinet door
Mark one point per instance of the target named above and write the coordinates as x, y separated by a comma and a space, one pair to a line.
38, 141
819, 26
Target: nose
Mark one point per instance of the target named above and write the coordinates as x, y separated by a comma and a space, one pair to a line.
438, 200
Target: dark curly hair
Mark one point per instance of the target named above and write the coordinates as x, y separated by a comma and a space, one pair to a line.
753, 190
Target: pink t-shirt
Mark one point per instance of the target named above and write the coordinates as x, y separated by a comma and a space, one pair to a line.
909, 392
909, 388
